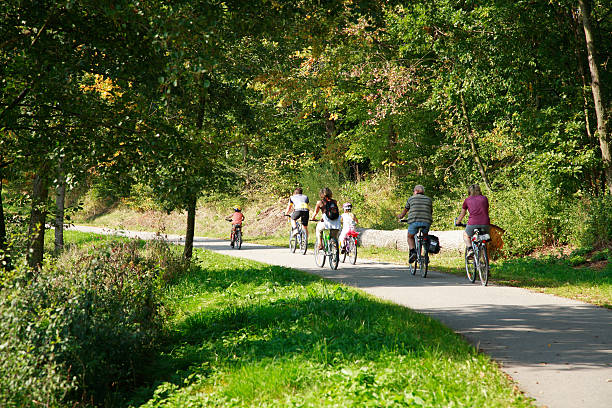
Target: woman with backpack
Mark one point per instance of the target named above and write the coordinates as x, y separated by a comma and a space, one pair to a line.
330, 218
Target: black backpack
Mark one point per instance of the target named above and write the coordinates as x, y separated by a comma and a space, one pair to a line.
331, 210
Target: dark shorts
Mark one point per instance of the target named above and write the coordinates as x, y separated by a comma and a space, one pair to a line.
303, 214
484, 229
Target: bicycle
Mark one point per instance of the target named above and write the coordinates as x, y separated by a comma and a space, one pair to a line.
479, 259
422, 260
350, 246
330, 249
298, 240
236, 237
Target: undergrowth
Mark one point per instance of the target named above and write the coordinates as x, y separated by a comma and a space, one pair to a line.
78, 331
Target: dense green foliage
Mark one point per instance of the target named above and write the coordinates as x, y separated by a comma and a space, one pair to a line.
185, 98
83, 329
265, 336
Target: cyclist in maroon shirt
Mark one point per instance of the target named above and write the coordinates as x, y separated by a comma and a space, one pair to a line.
478, 207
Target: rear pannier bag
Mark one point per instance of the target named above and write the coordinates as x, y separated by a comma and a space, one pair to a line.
434, 244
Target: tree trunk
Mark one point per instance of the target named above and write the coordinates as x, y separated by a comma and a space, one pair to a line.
5, 259
191, 215
191, 201
392, 146
471, 138
60, 199
585, 101
36, 232
600, 112
330, 128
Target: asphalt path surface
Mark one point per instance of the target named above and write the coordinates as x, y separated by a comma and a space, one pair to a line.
558, 350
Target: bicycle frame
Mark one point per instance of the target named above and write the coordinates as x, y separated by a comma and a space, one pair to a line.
480, 260
481, 257
330, 250
422, 260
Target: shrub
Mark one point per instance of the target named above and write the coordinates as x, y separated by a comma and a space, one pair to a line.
601, 255
315, 177
531, 216
82, 328
33, 335
375, 202
591, 222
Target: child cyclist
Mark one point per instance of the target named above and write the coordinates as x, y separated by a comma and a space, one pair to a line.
349, 220
236, 220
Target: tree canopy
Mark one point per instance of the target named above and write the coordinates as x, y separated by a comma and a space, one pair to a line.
192, 96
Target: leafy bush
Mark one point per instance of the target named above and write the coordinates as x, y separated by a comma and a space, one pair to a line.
141, 198
33, 334
531, 216
375, 202
591, 222
601, 255
83, 327
576, 260
315, 177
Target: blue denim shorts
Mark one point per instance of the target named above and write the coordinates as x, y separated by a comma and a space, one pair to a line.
414, 227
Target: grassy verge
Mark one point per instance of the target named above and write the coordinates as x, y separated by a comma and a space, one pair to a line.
550, 274
247, 334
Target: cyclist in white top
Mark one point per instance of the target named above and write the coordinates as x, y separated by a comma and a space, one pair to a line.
349, 221
299, 202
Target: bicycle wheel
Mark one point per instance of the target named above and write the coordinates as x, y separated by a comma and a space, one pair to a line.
423, 260
319, 256
293, 242
353, 250
483, 265
238, 240
345, 250
303, 241
412, 266
470, 267
334, 253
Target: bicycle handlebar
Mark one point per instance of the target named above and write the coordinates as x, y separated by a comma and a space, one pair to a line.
404, 220
459, 224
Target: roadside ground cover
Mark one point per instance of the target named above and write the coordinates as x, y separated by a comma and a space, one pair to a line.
568, 276
572, 276
248, 334
78, 331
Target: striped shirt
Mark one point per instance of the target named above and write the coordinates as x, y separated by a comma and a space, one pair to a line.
419, 208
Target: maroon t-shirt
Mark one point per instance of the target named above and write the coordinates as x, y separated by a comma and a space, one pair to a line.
478, 207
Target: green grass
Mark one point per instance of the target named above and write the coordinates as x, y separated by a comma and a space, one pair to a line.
552, 275
556, 276
76, 239
245, 334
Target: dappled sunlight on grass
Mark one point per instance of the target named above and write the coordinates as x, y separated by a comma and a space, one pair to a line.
248, 334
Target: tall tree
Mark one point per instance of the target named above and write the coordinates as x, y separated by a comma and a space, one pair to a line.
600, 106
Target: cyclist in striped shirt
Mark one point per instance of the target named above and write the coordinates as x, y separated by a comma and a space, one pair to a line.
420, 216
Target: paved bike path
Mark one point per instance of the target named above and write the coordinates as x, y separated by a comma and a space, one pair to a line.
558, 350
